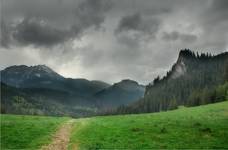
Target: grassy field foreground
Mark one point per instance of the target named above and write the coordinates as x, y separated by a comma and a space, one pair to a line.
196, 127
27, 132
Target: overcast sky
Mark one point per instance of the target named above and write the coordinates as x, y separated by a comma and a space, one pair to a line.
110, 40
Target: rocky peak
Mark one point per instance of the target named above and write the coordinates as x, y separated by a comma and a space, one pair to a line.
43, 68
180, 67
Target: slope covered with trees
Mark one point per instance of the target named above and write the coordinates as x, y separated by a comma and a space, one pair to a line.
121, 93
193, 80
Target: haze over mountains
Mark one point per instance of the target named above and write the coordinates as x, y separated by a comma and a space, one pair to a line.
42, 76
40, 90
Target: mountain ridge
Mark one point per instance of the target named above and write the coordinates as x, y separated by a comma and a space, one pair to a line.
191, 76
35, 85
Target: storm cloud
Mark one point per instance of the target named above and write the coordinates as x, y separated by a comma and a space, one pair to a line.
37, 32
219, 9
137, 23
110, 40
38, 28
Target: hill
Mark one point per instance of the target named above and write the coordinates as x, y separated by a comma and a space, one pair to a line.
123, 92
42, 101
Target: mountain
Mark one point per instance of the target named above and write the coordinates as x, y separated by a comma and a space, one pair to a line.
41, 76
34, 76
40, 90
193, 80
121, 93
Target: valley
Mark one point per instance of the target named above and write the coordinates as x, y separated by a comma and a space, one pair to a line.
113, 75
194, 79
186, 108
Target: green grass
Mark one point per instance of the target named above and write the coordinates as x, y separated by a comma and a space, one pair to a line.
27, 132
197, 127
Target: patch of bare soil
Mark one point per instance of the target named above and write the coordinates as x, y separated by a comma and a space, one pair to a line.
61, 138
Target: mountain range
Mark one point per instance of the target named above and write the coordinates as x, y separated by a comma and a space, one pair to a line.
40, 90
194, 79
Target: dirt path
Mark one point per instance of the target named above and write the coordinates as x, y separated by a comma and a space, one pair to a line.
61, 138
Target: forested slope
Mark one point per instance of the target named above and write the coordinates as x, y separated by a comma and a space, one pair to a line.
193, 80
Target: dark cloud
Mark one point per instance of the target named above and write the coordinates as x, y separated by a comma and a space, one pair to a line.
91, 13
220, 5
174, 36
216, 13
38, 29
220, 8
136, 29
138, 23
37, 32
133, 22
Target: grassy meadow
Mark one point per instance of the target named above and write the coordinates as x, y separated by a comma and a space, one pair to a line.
197, 127
27, 132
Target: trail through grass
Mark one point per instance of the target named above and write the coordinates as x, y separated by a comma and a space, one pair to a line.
27, 132
197, 127
61, 137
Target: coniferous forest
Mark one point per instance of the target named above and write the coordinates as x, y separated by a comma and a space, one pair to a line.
195, 79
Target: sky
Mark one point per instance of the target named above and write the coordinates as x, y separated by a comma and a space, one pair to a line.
109, 40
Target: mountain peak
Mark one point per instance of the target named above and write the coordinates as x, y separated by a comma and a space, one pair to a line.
179, 68
128, 81
124, 92
36, 70
127, 84
20, 74
43, 68
18, 67
14, 67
